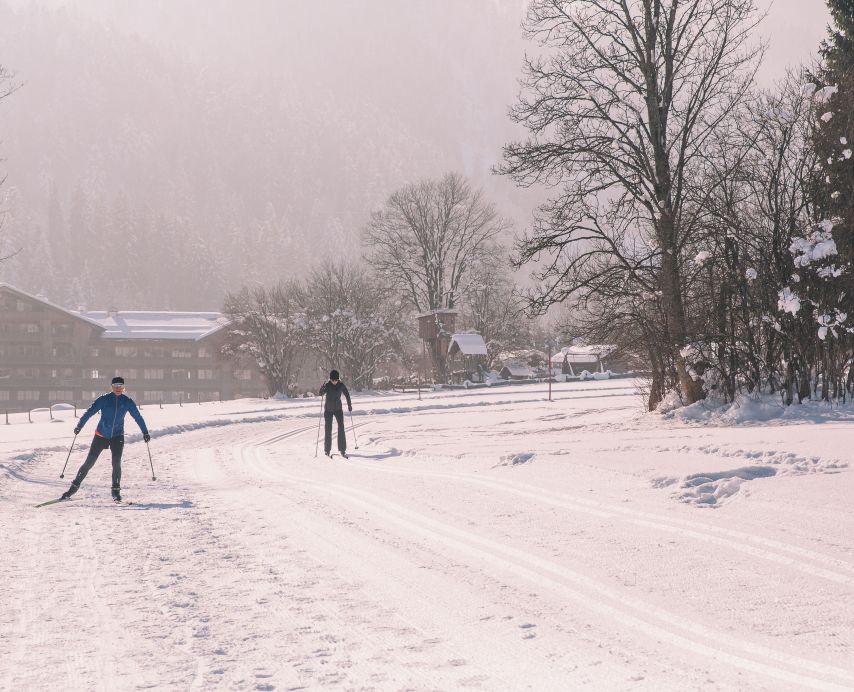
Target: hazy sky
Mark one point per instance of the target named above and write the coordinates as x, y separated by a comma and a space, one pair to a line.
794, 28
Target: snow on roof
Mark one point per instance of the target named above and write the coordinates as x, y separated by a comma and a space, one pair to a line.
187, 326
45, 301
468, 344
583, 354
518, 369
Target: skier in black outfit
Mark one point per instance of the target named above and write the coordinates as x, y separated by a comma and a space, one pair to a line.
110, 433
332, 408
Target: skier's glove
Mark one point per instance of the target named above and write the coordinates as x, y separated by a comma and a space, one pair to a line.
350, 409
146, 437
77, 430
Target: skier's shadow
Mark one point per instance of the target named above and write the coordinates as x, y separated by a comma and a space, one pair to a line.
393, 452
184, 504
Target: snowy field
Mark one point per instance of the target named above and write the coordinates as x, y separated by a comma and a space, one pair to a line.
483, 540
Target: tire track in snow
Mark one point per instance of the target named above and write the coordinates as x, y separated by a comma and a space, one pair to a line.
653, 621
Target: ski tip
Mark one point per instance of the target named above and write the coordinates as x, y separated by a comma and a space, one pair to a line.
52, 502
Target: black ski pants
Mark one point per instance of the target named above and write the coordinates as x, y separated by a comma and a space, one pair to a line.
116, 445
342, 436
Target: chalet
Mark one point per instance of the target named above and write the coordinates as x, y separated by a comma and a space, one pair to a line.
50, 354
467, 357
573, 360
514, 370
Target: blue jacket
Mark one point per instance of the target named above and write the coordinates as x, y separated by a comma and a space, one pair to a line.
113, 409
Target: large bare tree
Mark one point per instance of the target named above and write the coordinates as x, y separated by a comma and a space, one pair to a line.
428, 236
426, 240
619, 110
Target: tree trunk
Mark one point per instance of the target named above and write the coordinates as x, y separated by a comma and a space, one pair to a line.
671, 295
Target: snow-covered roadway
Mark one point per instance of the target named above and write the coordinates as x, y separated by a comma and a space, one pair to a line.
475, 540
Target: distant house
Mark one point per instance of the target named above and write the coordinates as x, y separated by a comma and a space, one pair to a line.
50, 354
467, 357
516, 371
573, 360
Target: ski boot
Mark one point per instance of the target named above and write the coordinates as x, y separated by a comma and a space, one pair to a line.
68, 493
117, 494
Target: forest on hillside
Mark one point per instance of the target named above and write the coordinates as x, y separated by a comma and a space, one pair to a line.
162, 164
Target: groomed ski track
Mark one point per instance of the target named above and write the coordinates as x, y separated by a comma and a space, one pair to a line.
251, 564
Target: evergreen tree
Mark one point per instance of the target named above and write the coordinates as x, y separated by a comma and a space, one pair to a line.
835, 137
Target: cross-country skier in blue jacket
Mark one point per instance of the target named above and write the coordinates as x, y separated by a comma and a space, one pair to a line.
110, 433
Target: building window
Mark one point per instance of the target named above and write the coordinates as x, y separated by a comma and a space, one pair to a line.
206, 374
28, 395
62, 351
4, 395
94, 352
152, 352
60, 395
205, 352
243, 374
60, 330
130, 374
21, 305
180, 374
27, 373
30, 328
93, 374
152, 374
126, 351
182, 353
26, 351
152, 395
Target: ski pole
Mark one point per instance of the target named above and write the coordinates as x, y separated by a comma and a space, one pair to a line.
151, 463
317, 441
62, 475
353, 430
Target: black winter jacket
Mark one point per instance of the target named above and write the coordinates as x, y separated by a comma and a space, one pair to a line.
333, 394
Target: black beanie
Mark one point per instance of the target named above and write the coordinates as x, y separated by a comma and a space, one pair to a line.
118, 380
333, 375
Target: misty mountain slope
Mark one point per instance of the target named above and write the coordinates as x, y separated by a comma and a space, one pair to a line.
130, 150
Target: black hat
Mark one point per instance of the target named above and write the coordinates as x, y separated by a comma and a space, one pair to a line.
333, 375
118, 380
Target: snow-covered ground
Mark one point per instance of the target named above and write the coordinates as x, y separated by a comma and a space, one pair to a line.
482, 539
